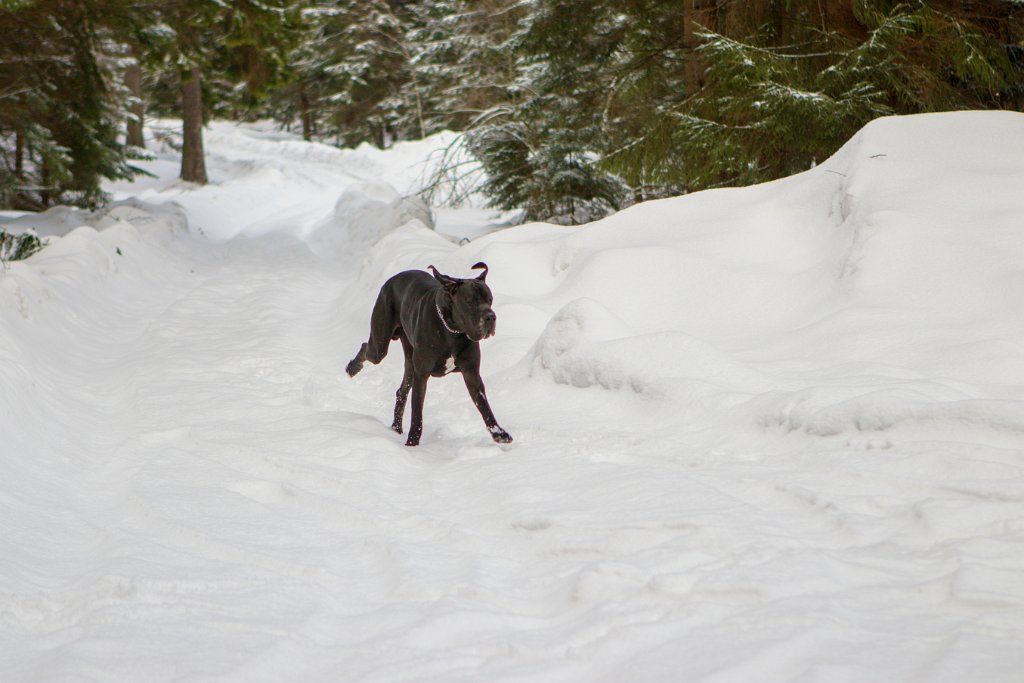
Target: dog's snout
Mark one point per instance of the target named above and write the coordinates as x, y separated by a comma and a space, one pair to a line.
488, 324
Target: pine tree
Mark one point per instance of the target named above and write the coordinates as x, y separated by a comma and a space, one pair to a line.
464, 60
655, 65
59, 103
241, 42
787, 83
348, 75
432, 62
668, 97
540, 149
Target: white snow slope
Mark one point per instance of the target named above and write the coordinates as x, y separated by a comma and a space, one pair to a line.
762, 434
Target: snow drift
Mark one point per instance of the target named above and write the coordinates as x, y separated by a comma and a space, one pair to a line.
898, 263
770, 433
366, 212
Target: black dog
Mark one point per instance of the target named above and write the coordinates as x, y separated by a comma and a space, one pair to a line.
440, 321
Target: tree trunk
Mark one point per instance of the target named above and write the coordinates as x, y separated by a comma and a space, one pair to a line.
304, 113
193, 158
44, 177
136, 110
419, 111
19, 153
698, 15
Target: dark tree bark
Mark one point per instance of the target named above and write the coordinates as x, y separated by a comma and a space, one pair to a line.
193, 158
136, 110
304, 113
19, 153
697, 15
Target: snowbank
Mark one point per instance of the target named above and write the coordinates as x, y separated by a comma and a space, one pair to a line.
263, 180
895, 264
367, 211
770, 433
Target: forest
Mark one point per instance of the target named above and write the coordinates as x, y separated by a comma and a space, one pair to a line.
574, 109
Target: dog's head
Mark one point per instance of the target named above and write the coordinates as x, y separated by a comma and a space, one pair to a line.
471, 303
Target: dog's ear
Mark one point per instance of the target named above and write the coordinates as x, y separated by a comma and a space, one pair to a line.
450, 284
482, 276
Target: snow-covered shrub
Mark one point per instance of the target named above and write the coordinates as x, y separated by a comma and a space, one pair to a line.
17, 247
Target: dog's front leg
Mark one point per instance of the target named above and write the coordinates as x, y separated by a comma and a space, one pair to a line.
419, 392
475, 386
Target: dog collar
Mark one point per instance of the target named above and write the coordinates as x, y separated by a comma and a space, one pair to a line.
443, 321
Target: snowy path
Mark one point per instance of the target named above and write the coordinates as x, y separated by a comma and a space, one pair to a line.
199, 493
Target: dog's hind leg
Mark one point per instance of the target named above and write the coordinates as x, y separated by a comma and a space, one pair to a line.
356, 364
419, 390
383, 329
403, 390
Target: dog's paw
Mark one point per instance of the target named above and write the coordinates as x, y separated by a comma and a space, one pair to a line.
500, 435
353, 368
396, 427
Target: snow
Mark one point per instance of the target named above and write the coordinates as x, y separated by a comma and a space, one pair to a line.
770, 433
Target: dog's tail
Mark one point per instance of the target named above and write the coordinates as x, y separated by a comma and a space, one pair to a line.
477, 266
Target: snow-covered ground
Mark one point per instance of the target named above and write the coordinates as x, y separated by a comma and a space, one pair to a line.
761, 434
